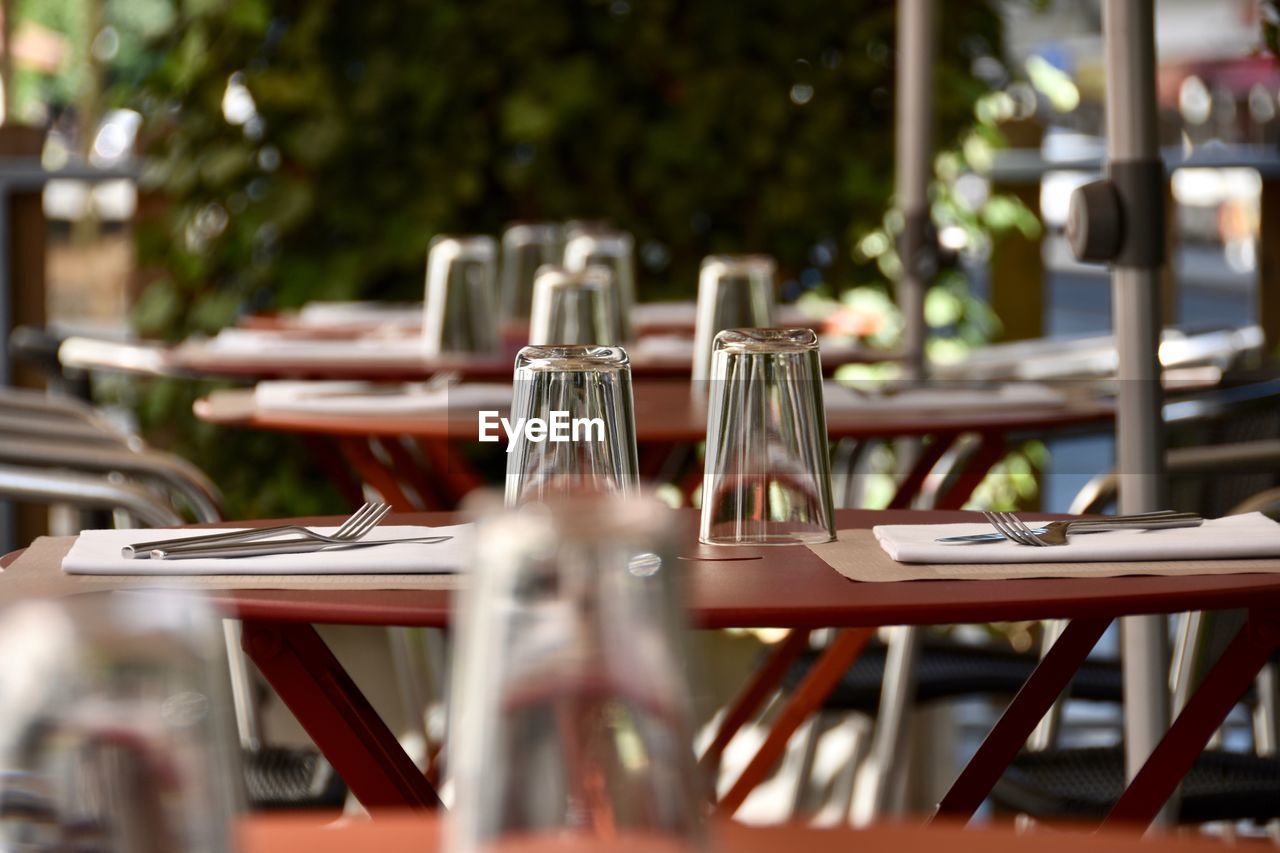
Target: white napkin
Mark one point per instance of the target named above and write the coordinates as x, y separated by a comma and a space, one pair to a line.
371, 398
97, 552
673, 347
663, 313
1014, 395
255, 344
1252, 535
320, 315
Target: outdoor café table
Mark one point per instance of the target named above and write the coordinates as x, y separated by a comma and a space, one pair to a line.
668, 418
416, 833
197, 359
778, 587
647, 318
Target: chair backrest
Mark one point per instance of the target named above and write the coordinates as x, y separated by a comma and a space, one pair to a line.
85, 491
1224, 447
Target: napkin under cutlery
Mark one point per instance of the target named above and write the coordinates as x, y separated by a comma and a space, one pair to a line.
383, 399
1013, 395
1251, 535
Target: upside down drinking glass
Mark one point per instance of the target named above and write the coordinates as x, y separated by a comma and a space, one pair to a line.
459, 315
526, 246
767, 479
615, 251
734, 292
575, 308
572, 423
570, 699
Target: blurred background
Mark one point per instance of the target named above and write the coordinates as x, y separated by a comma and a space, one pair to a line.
170, 166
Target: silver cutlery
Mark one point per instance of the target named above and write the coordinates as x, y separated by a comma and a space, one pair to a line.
1009, 526
284, 546
357, 525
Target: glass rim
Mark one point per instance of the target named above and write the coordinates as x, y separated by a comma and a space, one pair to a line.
463, 244
765, 341
594, 277
609, 242
533, 230
572, 357
738, 264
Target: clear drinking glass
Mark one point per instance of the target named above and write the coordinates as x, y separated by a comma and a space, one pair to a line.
613, 250
572, 422
571, 709
526, 246
768, 474
734, 292
116, 730
459, 315
575, 308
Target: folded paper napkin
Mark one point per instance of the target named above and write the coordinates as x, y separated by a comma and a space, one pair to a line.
325, 314
371, 398
1252, 535
1014, 395
656, 347
97, 552
255, 344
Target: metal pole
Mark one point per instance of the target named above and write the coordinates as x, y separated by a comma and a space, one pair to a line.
913, 159
1133, 162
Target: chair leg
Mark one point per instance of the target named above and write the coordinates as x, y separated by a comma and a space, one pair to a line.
1045, 735
413, 694
248, 716
878, 775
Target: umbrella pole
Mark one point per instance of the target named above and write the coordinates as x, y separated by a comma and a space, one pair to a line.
913, 159
1135, 170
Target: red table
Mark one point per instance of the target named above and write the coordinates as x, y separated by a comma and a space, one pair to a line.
667, 418
418, 834
786, 587
198, 360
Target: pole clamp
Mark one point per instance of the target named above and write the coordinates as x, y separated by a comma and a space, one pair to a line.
1101, 226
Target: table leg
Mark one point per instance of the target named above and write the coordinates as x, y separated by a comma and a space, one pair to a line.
410, 472
337, 716
762, 684
990, 451
1046, 683
807, 699
372, 471
1199, 719
929, 456
456, 476
321, 449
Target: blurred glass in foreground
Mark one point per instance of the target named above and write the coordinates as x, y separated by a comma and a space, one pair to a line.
573, 424
570, 701
116, 732
767, 479
460, 312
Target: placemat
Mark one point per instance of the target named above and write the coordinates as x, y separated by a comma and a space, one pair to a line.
38, 574
858, 556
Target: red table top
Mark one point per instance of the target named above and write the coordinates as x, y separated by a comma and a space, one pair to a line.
415, 834
790, 587
665, 411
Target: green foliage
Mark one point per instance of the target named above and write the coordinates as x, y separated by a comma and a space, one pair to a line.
715, 126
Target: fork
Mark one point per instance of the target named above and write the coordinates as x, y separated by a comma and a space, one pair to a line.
285, 546
1055, 533
357, 525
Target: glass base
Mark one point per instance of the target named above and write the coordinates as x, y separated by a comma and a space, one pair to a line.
816, 537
